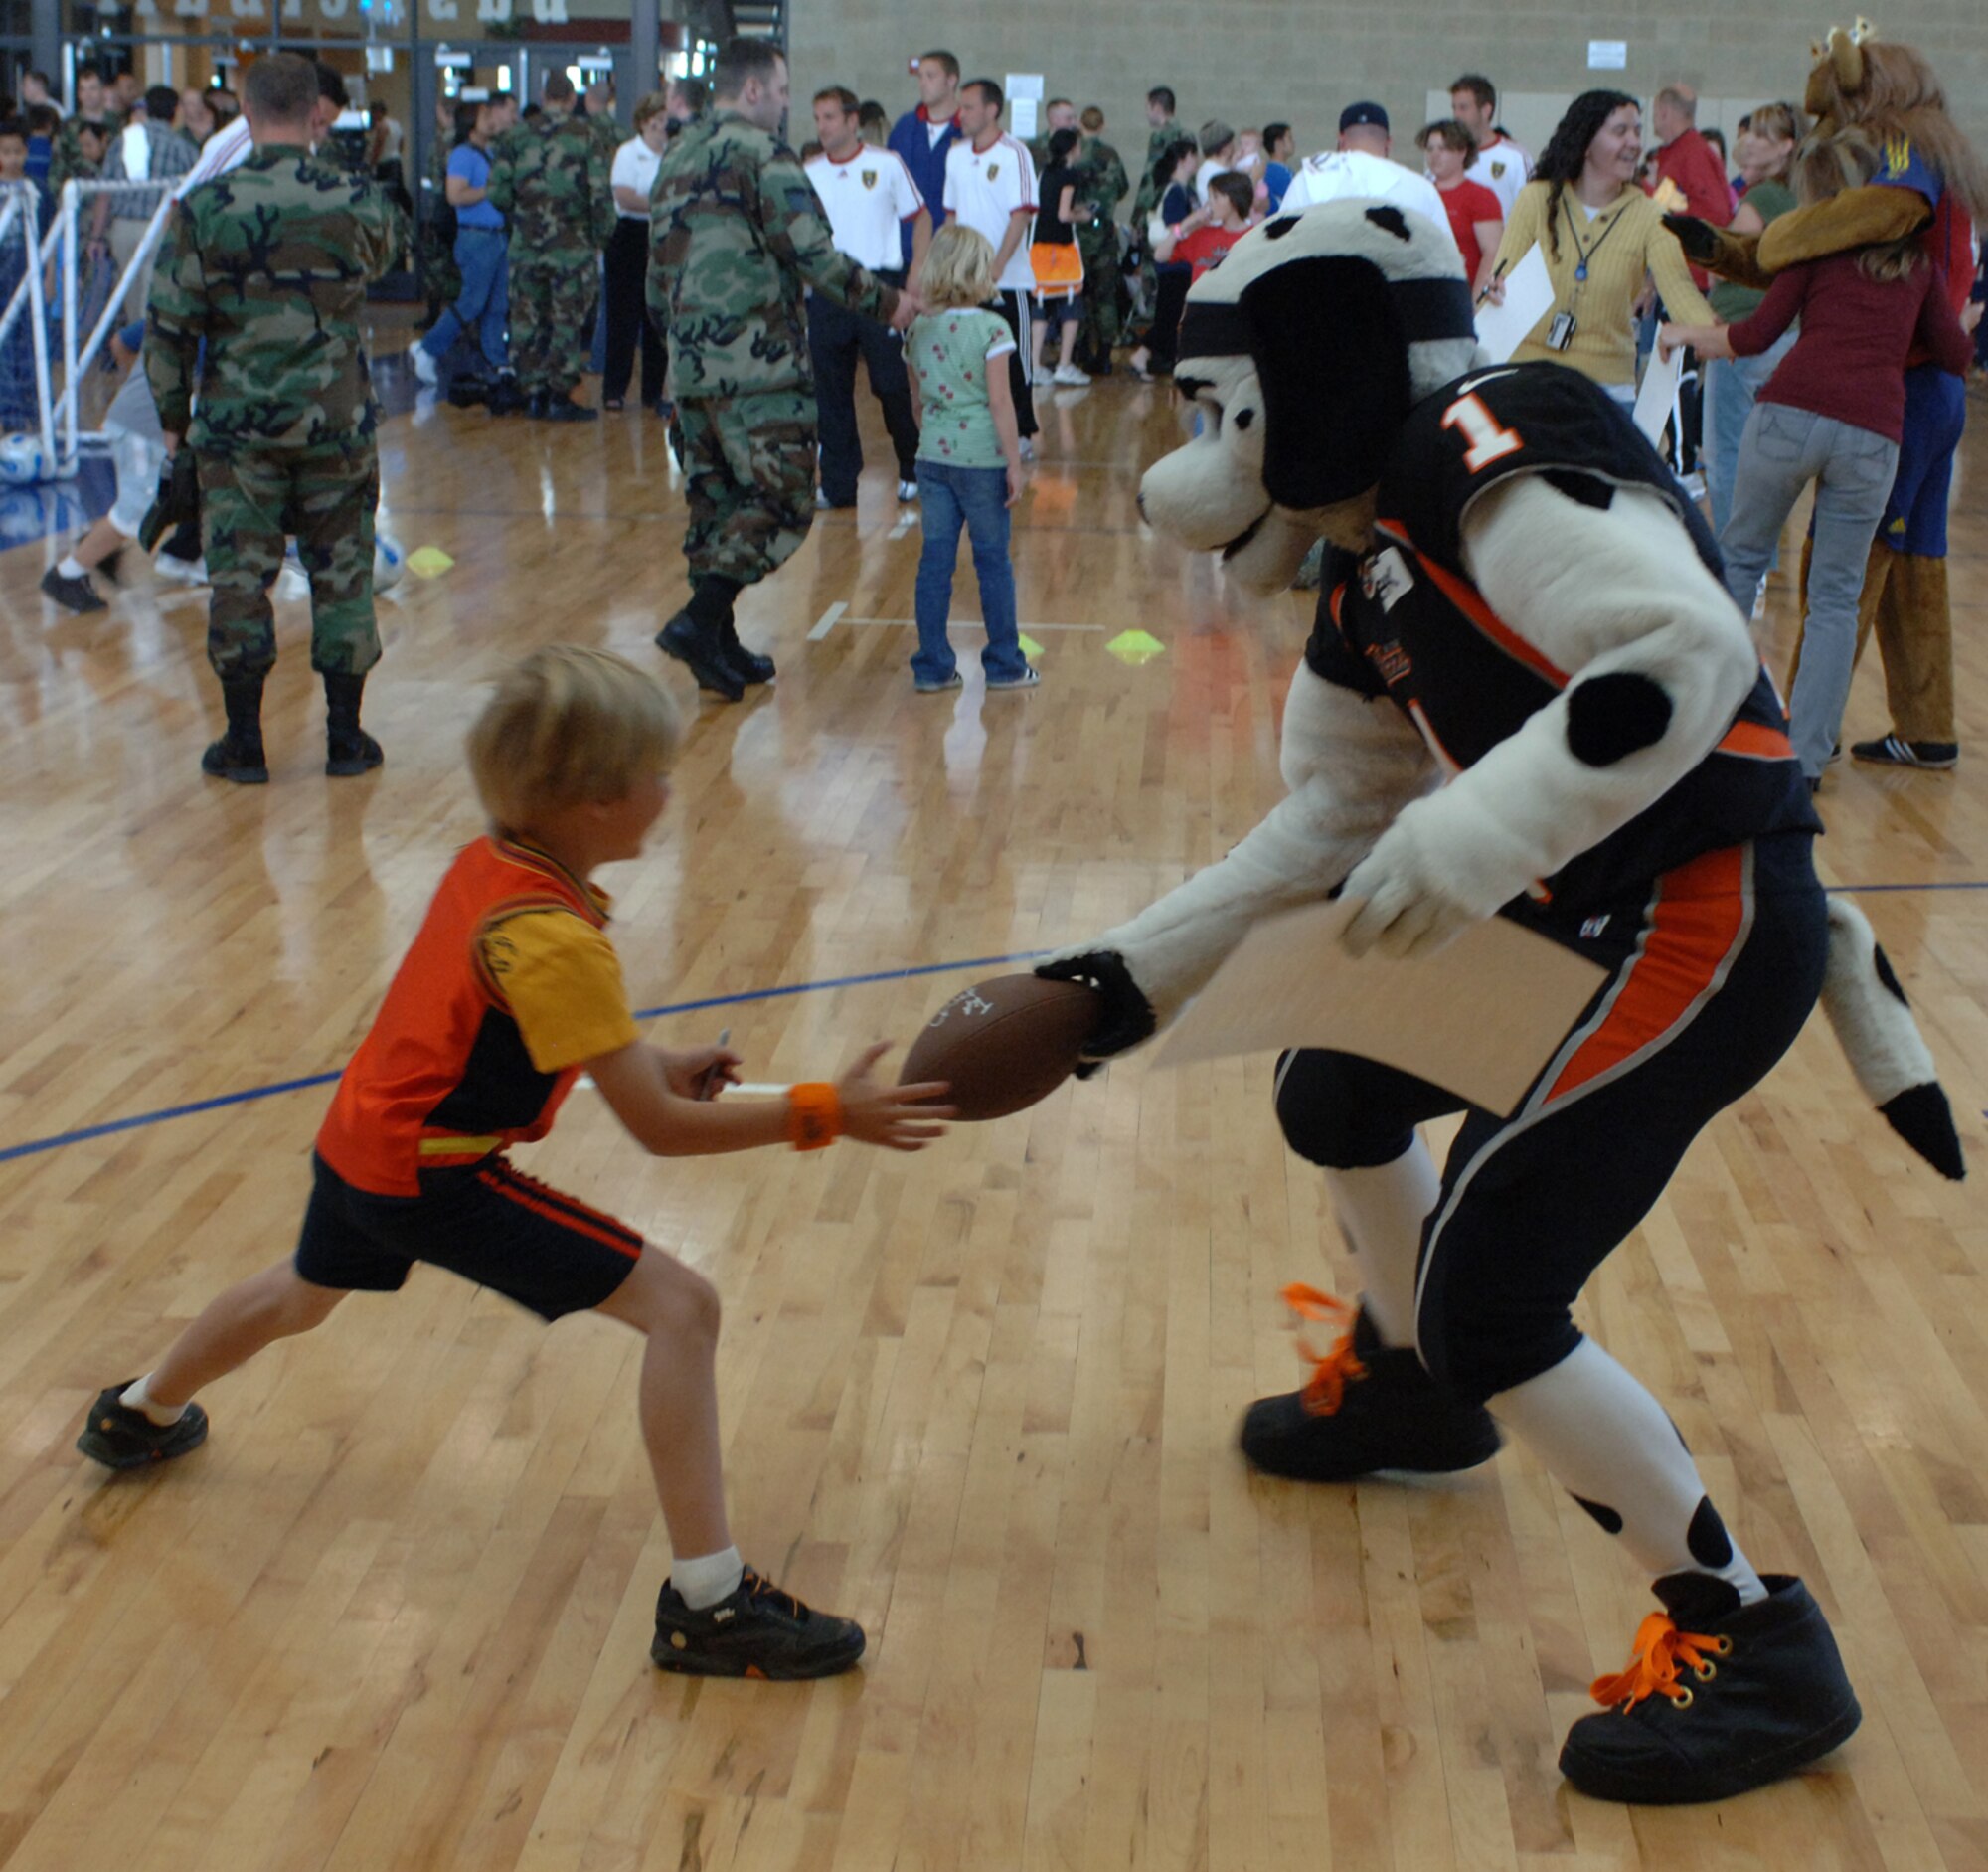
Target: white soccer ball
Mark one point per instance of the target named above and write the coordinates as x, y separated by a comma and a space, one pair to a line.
22, 462
389, 562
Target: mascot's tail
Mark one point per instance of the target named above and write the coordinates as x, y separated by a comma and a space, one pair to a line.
1875, 1025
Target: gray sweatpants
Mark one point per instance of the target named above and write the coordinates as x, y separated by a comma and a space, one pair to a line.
1782, 451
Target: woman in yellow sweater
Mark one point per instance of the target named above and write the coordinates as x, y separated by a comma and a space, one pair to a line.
1599, 234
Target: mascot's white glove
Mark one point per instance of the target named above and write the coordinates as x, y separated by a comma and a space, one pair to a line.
1657, 661
1350, 765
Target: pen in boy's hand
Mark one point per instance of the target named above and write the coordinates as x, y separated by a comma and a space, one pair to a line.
712, 1081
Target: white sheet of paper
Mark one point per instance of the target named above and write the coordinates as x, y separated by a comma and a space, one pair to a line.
1529, 297
1658, 396
1480, 1017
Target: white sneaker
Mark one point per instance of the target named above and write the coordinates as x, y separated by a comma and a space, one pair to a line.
1028, 449
1069, 374
1761, 598
1028, 679
424, 366
821, 500
907, 490
180, 570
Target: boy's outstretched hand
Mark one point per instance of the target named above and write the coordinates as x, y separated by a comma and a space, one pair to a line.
876, 1114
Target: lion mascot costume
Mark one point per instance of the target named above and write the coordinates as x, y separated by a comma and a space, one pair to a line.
1930, 183
1527, 695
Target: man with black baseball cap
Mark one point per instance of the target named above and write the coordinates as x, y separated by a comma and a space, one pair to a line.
1360, 167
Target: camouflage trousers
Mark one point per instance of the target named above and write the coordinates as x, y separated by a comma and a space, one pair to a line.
321, 496
549, 319
748, 468
440, 276
1098, 333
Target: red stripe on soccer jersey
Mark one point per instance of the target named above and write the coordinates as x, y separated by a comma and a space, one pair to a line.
1470, 601
1700, 916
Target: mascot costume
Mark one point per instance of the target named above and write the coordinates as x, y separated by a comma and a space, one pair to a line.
1527, 695
1935, 185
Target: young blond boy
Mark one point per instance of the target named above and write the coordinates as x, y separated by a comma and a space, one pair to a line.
509, 992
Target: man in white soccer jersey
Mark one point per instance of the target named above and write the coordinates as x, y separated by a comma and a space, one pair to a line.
1500, 165
870, 200
990, 184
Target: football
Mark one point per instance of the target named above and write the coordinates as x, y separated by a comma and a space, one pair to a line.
1004, 1044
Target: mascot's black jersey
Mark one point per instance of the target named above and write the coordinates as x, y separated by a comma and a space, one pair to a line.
1406, 621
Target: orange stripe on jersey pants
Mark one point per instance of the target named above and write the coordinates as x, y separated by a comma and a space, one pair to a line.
1756, 741
1701, 910
565, 1212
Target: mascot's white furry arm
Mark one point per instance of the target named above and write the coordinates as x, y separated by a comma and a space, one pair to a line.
1659, 661
1307, 352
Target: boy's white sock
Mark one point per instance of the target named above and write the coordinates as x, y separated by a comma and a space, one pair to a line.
138, 1397
702, 1581
71, 566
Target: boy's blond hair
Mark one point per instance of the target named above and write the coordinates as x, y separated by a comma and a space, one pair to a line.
566, 726
959, 268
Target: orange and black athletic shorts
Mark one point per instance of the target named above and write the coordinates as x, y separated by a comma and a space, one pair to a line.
486, 1221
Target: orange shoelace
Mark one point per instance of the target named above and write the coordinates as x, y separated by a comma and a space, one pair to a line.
1659, 1656
758, 1586
1330, 1372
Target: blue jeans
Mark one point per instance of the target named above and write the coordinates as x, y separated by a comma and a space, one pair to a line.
1783, 450
1730, 387
484, 257
977, 499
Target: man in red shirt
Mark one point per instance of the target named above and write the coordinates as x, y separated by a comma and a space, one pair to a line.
1212, 230
1687, 161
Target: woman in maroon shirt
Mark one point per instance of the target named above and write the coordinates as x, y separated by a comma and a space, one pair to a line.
1832, 413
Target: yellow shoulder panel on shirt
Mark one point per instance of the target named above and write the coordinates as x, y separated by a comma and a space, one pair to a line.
562, 980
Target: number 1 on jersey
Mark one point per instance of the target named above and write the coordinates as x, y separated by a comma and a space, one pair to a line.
1488, 441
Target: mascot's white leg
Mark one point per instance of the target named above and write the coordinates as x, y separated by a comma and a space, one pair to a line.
1380, 1212
1613, 1448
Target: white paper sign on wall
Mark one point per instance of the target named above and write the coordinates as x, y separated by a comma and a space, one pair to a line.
1608, 55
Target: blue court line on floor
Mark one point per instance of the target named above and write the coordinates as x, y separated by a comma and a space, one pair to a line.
36, 1146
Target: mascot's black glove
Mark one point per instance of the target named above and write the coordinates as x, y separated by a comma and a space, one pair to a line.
178, 500
1698, 239
1126, 1017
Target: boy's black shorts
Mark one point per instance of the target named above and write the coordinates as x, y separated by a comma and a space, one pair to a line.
486, 1221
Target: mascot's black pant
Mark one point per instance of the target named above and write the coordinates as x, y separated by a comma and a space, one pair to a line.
1714, 970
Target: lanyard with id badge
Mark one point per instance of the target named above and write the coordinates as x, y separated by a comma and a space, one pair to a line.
1559, 334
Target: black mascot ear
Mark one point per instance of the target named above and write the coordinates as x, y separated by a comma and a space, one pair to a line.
1333, 360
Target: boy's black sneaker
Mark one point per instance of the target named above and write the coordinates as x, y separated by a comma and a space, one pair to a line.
232, 759
699, 651
1740, 1700
1894, 750
73, 595
758, 1630
120, 1437
1367, 1406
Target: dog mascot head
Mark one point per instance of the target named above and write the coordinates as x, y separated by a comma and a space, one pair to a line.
1303, 353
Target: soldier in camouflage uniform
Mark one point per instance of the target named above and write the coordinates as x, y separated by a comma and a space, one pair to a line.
92, 106
1166, 133
737, 232
1104, 183
549, 179
270, 264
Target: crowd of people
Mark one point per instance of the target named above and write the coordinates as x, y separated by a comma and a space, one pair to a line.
542, 221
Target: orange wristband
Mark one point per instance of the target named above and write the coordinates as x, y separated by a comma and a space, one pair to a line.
815, 1117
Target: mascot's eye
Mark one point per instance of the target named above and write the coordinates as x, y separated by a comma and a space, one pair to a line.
1276, 230
1243, 418
1390, 219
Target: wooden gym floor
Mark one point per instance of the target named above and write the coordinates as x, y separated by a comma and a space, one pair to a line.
395, 1613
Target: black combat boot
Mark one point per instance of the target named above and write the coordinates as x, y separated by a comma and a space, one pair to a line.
749, 664
1367, 1406
237, 756
1718, 1698
349, 749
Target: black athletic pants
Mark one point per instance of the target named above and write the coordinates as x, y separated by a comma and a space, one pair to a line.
628, 321
1712, 976
836, 338
1016, 312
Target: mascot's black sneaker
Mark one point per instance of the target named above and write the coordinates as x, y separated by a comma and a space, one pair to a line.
122, 1439
756, 1631
1366, 1407
701, 652
1702, 1715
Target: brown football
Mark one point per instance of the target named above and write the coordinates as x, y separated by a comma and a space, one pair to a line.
1004, 1044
